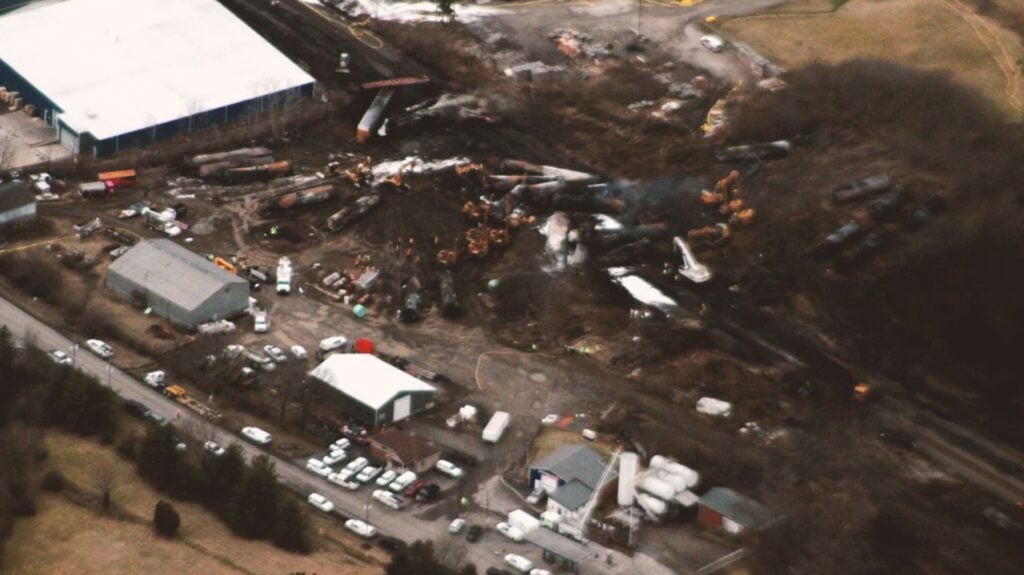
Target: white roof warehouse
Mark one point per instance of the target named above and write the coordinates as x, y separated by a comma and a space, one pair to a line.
113, 74
374, 390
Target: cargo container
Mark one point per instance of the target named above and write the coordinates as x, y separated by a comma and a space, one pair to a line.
496, 426
93, 189
118, 179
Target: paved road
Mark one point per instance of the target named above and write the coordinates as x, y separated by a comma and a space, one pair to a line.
403, 525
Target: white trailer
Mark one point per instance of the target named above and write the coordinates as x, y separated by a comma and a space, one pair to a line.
496, 426
284, 276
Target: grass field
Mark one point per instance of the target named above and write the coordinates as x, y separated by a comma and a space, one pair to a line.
933, 34
68, 535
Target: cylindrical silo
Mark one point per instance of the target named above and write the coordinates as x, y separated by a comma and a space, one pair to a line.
628, 463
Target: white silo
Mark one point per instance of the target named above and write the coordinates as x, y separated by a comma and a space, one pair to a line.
628, 463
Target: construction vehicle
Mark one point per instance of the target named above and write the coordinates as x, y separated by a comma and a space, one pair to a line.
726, 190
499, 236
478, 241
178, 394
689, 267
225, 265
712, 236
362, 173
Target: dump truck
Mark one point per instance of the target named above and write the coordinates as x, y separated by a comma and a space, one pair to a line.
178, 394
496, 426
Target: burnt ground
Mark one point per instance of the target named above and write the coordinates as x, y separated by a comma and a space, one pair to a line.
823, 459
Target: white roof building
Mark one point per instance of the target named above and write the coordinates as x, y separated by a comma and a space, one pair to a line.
123, 71
376, 390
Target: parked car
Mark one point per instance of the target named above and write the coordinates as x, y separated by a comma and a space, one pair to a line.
367, 474
539, 572
513, 533
136, 408
233, 350
386, 478
343, 480
275, 353
474, 533
456, 525
261, 322
519, 563
712, 42
342, 443
298, 352
155, 379
316, 466
402, 481
413, 488
260, 361
332, 343
357, 465
428, 492
335, 457
257, 435
448, 468
59, 357
100, 348
361, 528
214, 448
388, 499
320, 502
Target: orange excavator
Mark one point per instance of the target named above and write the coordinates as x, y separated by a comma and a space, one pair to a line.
478, 241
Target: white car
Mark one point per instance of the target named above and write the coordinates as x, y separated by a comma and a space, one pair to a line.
342, 479
335, 457
275, 353
386, 478
214, 448
357, 465
316, 466
368, 473
539, 572
257, 435
155, 379
388, 499
342, 443
712, 42
519, 562
233, 350
360, 528
402, 481
332, 343
456, 525
448, 468
59, 357
261, 323
298, 352
100, 348
320, 502
513, 533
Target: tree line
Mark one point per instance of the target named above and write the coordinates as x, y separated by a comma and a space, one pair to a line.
36, 393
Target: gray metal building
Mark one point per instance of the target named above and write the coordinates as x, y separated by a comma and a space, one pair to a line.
17, 206
177, 283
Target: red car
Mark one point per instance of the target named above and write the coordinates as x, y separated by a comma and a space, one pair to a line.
412, 489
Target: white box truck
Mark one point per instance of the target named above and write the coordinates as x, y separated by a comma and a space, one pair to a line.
496, 426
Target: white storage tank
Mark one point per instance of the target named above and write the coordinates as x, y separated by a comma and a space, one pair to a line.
659, 461
657, 487
628, 463
680, 470
652, 505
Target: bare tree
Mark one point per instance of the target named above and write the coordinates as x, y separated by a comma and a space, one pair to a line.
106, 482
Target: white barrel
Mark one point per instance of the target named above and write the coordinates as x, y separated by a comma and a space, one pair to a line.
657, 487
680, 470
659, 461
652, 505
